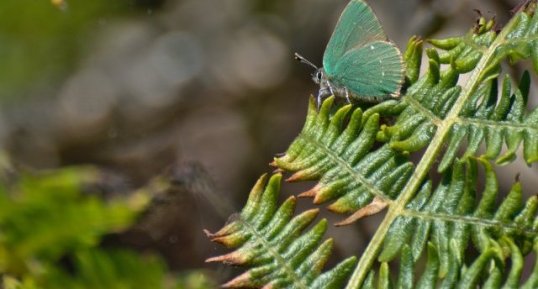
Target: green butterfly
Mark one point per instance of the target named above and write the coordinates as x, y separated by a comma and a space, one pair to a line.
359, 61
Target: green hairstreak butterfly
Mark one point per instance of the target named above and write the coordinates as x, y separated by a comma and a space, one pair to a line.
359, 61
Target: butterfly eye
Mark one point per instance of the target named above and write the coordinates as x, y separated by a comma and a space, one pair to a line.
318, 75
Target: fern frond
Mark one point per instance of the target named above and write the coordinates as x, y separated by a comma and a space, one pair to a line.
435, 114
338, 152
455, 216
496, 121
466, 239
483, 115
270, 240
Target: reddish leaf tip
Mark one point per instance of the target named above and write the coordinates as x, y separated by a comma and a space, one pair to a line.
223, 232
347, 221
318, 199
309, 194
230, 258
376, 206
295, 177
242, 280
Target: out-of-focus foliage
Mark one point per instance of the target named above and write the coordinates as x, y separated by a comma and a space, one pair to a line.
51, 228
198, 279
45, 216
40, 41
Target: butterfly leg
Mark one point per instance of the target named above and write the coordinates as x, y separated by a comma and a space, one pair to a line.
347, 95
330, 88
325, 90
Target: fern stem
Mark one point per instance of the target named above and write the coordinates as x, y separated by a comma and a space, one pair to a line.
397, 208
499, 125
481, 222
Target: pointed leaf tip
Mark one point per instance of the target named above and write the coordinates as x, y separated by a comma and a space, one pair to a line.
234, 258
310, 193
241, 281
274, 181
376, 206
293, 178
298, 176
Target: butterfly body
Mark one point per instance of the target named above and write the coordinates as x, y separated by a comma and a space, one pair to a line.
359, 62
328, 87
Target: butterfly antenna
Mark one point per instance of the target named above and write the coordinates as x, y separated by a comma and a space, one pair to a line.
301, 59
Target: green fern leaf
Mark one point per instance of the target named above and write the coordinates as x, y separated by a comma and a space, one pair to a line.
270, 240
339, 156
445, 235
453, 216
476, 112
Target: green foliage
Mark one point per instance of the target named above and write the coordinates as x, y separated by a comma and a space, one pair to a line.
342, 156
477, 112
448, 234
108, 269
443, 223
196, 279
270, 240
50, 230
39, 42
42, 217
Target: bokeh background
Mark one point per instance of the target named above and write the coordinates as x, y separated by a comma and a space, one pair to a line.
203, 91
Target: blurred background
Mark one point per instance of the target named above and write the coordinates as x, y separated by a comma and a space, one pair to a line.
202, 93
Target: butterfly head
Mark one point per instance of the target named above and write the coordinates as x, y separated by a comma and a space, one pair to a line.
325, 89
318, 76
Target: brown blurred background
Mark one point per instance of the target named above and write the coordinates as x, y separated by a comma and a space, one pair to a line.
205, 91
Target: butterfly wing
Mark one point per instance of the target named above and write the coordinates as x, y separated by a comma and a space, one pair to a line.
372, 71
356, 27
